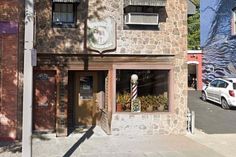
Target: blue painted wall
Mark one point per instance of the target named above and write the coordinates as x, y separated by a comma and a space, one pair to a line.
218, 45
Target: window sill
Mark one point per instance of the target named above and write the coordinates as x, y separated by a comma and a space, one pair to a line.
64, 25
142, 113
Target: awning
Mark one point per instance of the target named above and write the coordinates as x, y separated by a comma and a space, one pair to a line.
66, 1
160, 3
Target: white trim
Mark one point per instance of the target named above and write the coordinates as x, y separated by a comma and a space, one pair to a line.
194, 51
192, 62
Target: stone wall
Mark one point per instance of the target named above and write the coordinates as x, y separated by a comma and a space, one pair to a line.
147, 124
169, 39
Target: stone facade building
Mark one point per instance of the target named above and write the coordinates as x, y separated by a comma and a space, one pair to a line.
86, 54
120, 65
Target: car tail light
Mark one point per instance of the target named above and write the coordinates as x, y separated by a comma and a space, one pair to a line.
231, 93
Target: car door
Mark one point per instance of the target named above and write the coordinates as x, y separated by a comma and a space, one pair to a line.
211, 90
220, 90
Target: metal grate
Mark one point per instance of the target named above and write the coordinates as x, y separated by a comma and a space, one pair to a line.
141, 19
160, 3
67, 1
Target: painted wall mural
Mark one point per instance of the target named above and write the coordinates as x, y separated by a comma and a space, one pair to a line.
217, 42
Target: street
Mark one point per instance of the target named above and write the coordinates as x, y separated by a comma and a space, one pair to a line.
210, 117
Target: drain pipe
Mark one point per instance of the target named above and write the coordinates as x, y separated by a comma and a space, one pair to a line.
28, 80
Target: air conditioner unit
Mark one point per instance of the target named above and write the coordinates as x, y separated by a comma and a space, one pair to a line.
141, 19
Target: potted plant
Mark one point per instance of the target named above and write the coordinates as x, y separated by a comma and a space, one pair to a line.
123, 102
118, 103
162, 103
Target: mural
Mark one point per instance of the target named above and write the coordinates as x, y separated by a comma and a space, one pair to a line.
218, 45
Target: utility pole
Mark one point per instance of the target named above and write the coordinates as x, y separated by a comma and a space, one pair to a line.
28, 79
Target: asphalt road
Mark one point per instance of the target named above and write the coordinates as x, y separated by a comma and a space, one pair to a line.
210, 117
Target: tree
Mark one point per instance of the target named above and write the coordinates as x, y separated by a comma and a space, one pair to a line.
194, 28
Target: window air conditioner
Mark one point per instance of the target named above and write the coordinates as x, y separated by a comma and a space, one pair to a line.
141, 19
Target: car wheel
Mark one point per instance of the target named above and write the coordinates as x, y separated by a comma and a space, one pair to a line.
224, 104
204, 96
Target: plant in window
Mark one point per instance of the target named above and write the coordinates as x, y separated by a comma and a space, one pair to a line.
123, 102
162, 103
151, 103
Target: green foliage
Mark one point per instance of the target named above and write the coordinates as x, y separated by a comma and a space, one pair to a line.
124, 100
194, 29
154, 101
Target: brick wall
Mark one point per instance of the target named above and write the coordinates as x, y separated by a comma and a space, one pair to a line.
11, 49
9, 10
9, 82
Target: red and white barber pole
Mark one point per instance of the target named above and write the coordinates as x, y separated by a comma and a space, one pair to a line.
134, 86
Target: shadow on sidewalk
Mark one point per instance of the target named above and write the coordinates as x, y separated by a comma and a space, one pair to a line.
14, 147
87, 135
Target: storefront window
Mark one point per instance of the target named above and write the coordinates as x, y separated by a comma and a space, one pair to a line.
151, 90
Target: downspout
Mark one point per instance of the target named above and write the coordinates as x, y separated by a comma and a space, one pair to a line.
28, 80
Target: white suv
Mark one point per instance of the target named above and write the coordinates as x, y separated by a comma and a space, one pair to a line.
221, 91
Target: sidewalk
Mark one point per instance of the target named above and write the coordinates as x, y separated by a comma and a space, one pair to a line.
95, 143
221, 143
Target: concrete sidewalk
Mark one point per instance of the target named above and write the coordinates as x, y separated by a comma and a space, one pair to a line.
221, 143
95, 143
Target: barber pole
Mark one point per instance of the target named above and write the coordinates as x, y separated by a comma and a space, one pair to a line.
134, 86
134, 91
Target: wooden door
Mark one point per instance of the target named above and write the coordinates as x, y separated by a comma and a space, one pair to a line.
44, 100
85, 107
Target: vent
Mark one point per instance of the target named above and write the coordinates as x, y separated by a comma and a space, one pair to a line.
141, 19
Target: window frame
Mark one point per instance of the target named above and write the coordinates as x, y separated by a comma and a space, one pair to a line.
141, 9
225, 84
145, 66
65, 24
215, 84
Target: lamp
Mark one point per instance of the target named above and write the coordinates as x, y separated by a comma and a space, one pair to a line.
134, 78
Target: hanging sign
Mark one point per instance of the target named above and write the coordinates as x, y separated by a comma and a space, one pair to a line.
101, 35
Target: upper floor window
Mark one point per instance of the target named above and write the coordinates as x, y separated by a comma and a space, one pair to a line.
234, 22
143, 14
64, 14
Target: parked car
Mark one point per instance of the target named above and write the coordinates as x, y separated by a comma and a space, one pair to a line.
221, 91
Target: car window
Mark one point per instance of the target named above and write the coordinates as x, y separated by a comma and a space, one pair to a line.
214, 83
234, 85
222, 84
